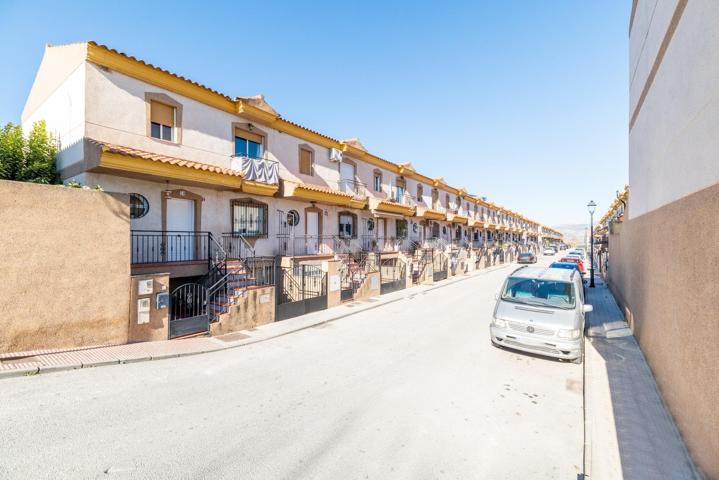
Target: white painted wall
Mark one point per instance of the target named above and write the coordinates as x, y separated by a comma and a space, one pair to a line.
674, 143
64, 113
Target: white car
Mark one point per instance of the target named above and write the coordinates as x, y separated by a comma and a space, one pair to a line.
541, 310
549, 251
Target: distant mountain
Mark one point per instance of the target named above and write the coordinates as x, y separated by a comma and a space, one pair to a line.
574, 233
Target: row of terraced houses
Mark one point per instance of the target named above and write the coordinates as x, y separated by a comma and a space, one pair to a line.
228, 197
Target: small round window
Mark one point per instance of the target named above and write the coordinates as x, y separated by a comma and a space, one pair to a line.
370, 224
293, 218
139, 205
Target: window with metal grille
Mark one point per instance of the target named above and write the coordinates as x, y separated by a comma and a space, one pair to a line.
249, 218
401, 228
139, 206
347, 225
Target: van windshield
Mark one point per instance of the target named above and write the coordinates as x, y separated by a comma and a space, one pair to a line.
538, 292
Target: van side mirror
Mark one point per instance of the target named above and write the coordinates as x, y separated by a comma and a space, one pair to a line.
587, 308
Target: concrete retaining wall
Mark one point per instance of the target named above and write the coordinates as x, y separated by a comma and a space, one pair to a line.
663, 271
65, 266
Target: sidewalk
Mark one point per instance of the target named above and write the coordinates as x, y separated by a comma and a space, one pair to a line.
628, 431
42, 361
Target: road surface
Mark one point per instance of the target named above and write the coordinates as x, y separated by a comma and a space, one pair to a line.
410, 390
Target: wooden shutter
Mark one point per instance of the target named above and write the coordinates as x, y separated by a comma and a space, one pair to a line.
252, 137
305, 161
162, 114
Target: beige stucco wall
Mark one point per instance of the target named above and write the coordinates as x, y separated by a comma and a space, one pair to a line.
662, 269
256, 307
66, 268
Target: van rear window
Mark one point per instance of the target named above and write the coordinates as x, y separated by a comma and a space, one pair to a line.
538, 292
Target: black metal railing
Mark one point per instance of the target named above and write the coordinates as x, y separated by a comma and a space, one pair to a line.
151, 246
301, 282
261, 270
237, 246
294, 246
354, 187
370, 243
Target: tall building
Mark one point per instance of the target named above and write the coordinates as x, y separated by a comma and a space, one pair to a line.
663, 248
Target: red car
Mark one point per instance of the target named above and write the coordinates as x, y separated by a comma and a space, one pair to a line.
578, 261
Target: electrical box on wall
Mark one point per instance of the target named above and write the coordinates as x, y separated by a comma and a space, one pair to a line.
162, 300
144, 287
143, 311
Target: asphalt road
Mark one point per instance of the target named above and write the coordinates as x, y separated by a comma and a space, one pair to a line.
410, 390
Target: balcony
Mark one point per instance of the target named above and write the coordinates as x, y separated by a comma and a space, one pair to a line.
353, 187
306, 245
371, 243
259, 170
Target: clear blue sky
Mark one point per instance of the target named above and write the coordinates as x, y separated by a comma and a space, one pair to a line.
522, 101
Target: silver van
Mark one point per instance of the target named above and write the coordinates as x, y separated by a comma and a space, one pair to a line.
541, 310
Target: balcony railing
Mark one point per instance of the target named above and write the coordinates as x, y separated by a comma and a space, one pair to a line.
295, 246
371, 243
354, 187
153, 247
257, 169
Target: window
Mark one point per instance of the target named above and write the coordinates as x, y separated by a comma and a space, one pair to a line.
162, 121
400, 188
139, 206
293, 218
248, 144
420, 193
249, 218
306, 161
377, 179
401, 228
435, 198
347, 225
538, 292
446, 199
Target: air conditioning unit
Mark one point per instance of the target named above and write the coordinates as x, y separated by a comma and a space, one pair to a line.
335, 155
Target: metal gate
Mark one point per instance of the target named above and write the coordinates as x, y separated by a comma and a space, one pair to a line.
439, 266
300, 289
189, 312
393, 275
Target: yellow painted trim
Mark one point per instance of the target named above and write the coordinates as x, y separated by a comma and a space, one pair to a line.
300, 192
391, 207
259, 188
134, 68
127, 163
457, 219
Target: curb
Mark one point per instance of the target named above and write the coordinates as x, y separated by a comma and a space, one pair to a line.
76, 366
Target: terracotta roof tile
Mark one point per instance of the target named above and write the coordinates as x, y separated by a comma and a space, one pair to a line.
155, 157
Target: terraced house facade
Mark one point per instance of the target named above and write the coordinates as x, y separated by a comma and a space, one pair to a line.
228, 196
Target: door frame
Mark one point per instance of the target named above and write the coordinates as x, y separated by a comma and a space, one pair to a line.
182, 194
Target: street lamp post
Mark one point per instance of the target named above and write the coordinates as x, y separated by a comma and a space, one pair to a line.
591, 206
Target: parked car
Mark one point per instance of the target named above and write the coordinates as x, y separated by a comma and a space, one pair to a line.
549, 251
541, 310
526, 257
577, 252
576, 260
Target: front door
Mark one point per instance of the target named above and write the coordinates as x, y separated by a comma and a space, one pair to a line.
313, 231
180, 230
